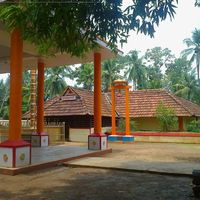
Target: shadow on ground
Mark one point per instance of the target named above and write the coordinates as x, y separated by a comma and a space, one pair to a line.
94, 184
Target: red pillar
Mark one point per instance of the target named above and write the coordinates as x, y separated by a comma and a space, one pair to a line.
15, 152
127, 111
16, 60
40, 102
97, 141
113, 111
97, 93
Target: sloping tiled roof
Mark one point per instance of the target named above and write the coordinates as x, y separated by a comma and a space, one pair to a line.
143, 103
76, 101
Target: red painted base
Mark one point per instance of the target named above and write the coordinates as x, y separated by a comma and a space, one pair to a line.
97, 142
15, 153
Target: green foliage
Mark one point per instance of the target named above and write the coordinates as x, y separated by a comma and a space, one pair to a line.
122, 125
84, 76
55, 80
155, 59
135, 71
193, 49
111, 70
194, 126
166, 117
72, 27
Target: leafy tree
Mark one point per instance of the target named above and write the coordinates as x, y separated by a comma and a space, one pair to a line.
135, 70
111, 70
193, 49
84, 76
166, 116
72, 27
156, 59
55, 80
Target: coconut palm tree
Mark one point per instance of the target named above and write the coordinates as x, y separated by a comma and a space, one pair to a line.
84, 76
193, 49
111, 70
55, 80
135, 70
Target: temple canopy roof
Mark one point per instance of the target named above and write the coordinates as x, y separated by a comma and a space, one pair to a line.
30, 54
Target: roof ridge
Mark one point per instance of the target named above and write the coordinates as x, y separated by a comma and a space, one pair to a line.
83, 101
178, 101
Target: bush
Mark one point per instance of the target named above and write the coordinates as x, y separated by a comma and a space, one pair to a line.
166, 117
122, 125
194, 126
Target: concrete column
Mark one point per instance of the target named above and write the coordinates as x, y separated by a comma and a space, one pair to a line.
127, 111
40, 102
97, 93
113, 111
16, 60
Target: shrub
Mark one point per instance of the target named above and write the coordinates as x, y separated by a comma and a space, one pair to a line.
122, 125
166, 117
194, 126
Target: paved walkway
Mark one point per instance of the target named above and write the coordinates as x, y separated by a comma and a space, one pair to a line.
171, 168
162, 158
45, 157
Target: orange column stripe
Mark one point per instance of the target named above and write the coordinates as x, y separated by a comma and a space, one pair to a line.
113, 111
97, 93
40, 103
127, 111
16, 68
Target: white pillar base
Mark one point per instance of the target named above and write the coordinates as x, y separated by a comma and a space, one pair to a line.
39, 140
97, 142
15, 154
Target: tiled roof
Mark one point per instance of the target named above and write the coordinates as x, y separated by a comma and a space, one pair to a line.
76, 101
143, 103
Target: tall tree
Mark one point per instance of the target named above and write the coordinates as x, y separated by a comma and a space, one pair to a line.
55, 80
156, 60
111, 70
73, 26
135, 70
193, 49
84, 76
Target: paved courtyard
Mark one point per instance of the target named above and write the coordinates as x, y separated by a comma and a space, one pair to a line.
100, 184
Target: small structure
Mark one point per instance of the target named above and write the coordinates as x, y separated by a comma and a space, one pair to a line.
75, 108
121, 85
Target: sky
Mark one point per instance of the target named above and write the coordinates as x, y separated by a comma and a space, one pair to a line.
169, 34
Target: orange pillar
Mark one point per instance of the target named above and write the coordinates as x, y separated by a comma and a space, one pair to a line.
40, 102
16, 67
97, 93
127, 110
180, 123
113, 111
